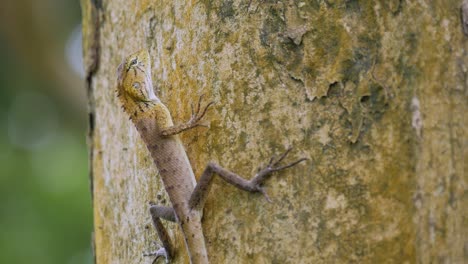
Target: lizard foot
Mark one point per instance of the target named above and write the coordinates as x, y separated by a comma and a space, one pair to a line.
273, 166
198, 113
198, 196
195, 120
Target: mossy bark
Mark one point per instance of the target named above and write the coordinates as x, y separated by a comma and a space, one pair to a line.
374, 93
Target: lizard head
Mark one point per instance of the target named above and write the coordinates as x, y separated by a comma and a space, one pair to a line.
134, 78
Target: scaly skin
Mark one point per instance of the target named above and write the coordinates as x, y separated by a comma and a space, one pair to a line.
154, 123
151, 117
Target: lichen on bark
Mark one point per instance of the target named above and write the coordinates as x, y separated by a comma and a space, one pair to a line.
372, 92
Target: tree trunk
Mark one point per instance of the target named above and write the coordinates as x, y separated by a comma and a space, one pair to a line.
374, 93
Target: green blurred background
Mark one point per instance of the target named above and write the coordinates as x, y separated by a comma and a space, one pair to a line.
45, 202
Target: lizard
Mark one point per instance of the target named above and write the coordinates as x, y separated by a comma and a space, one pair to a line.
154, 123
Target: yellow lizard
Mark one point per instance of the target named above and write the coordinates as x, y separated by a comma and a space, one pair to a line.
154, 123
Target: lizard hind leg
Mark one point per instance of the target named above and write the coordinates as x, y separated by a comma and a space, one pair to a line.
167, 213
201, 190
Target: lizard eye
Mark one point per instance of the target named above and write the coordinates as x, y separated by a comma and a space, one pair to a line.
136, 85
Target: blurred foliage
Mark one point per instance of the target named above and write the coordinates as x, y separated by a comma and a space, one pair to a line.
45, 201
37, 33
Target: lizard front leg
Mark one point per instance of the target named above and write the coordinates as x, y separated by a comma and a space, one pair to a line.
198, 196
194, 121
167, 213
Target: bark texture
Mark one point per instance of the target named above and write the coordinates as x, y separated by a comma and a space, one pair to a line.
374, 93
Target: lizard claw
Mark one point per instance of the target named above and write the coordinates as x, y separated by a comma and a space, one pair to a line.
262, 191
273, 165
198, 113
281, 158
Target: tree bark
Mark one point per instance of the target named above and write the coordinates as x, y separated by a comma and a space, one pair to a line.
374, 93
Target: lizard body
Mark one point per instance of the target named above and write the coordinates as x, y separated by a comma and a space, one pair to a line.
177, 175
155, 126
150, 118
